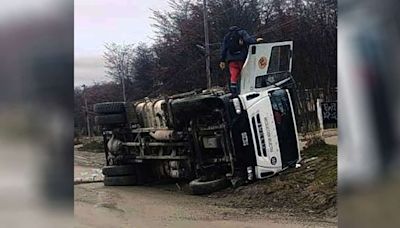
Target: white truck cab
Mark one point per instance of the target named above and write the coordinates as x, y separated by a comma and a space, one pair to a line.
269, 107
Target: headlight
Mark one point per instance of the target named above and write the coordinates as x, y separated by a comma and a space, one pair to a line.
250, 173
236, 104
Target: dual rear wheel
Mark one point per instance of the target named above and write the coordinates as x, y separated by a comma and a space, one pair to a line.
126, 175
110, 113
121, 175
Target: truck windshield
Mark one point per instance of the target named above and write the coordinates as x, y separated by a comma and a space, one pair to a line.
284, 124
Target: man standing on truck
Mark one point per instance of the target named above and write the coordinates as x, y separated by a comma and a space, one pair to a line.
234, 50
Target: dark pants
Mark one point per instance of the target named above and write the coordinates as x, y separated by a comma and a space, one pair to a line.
234, 88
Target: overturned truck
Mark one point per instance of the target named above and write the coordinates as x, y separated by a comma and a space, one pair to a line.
209, 138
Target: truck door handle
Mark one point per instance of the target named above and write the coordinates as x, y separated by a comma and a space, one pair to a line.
252, 96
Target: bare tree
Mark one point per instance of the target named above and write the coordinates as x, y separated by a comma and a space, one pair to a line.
174, 63
119, 60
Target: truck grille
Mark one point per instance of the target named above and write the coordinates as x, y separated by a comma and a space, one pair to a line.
259, 135
255, 132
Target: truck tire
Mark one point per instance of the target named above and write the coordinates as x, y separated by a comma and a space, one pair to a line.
111, 119
200, 187
195, 105
109, 108
119, 180
119, 170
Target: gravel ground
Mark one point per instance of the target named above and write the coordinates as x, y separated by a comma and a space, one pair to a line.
141, 206
300, 197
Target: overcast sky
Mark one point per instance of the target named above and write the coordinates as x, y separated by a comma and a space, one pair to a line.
101, 21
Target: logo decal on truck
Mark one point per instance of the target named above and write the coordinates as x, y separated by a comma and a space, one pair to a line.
262, 63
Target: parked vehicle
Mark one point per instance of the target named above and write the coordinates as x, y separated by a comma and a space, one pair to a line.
207, 137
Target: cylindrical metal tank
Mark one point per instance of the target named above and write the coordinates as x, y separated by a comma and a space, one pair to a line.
151, 114
148, 112
139, 111
160, 118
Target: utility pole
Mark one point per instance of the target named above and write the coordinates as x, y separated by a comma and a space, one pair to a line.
121, 75
206, 44
86, 112
123, 88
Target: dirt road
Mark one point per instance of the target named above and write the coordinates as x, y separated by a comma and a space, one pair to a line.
138, 206
165, 206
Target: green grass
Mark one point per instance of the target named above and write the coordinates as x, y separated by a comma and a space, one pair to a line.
325, 150
93, 146
310, 189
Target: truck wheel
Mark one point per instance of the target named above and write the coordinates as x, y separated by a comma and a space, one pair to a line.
111, 119
195, 105
199, 187
109, 108
119, 180
119, 170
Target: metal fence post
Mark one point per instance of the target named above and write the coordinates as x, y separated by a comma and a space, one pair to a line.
320, 117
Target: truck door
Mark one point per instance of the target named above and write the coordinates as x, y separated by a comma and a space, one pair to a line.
267, 65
